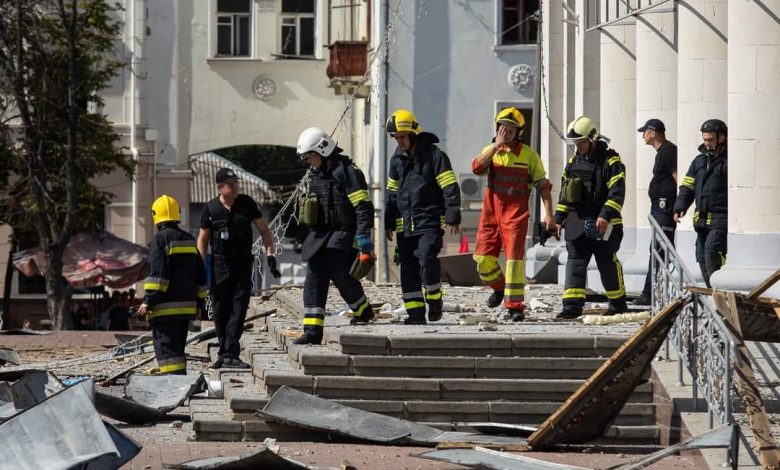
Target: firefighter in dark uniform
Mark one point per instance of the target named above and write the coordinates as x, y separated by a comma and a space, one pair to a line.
175, 289
339, 217
707, 183
423, 198
226, 225
662, 190
592, 192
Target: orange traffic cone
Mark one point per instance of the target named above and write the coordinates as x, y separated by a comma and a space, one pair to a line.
464, 244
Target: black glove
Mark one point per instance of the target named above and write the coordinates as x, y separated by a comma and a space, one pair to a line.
273, 267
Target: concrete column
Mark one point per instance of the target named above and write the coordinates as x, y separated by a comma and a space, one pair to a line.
552, 147
587, 74
753, 96
701, 73
618, 109
656, 94
753, 119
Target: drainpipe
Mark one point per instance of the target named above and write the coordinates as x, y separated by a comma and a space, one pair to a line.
380, 141
133, 148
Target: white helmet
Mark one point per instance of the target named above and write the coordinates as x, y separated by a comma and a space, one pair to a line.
315, 139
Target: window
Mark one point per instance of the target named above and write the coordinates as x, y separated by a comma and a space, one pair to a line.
297, 28
518, 23
234, 28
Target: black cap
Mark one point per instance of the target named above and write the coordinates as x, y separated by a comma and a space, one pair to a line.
654, 124
226, 175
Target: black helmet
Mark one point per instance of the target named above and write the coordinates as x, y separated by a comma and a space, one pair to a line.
715, 125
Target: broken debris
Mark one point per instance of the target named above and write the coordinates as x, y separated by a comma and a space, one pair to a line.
265, 456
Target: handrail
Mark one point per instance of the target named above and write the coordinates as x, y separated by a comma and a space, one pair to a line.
703, 342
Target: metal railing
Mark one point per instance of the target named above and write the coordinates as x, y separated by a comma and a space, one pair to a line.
702, 340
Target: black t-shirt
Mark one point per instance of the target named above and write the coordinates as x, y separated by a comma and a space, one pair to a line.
237, 222
663, 185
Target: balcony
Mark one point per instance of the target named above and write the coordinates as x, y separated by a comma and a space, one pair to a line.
347, 59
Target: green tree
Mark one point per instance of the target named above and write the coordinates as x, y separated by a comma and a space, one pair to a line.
55, 58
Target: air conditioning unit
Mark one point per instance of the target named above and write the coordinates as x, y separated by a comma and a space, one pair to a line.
471, 187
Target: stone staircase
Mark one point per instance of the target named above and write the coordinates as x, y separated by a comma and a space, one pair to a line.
444, 380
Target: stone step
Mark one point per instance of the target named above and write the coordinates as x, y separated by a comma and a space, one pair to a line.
394, 388
475, 345
531, 413
331, 363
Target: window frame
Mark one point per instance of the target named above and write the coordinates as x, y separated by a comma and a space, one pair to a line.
499, 42
296, 17
235, 21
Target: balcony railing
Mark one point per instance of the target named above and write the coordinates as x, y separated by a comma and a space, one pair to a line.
347, 59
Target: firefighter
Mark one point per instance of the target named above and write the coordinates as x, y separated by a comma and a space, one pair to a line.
423, 198
592, 193
707, 183
339, 219
513, 169
176, 287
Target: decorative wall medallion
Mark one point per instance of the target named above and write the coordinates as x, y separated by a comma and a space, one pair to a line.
521, 77
264, 87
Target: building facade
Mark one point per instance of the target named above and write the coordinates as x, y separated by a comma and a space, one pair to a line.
682, 62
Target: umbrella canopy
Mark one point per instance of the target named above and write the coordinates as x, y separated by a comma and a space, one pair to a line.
91, 259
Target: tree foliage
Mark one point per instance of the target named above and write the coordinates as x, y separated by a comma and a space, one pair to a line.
55, 58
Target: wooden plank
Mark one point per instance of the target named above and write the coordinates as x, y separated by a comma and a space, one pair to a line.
768, 451
766, 284
589, 410
699, 290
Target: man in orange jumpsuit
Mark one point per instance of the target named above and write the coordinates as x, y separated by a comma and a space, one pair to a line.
513, 169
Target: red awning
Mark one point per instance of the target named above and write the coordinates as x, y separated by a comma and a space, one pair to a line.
92, 259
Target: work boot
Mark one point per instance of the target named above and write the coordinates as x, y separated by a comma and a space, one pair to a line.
217, 364
415, 321
495, 299
617, 306
643, 300
235, 363
435, 311
517, 314
367, 316
568, 314
307, 340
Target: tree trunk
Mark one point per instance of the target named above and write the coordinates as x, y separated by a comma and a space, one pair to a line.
58, 292
9, 276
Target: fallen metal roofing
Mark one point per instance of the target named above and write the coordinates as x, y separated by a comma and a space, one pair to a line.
9, 356
163, 392
204, 170
265, 456
62, 432
126, 411
290, 406
480, 457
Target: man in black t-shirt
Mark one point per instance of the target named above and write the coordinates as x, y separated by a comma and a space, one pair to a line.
226, 226
662, 191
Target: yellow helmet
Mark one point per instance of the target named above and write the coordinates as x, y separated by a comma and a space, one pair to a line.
511, 116
582, 128
165, 209
402, 121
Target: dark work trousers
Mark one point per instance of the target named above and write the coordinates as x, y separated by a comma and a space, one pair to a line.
420, 265
665, 218
605, 252
329, 264
711, 248
170, 337
231, 286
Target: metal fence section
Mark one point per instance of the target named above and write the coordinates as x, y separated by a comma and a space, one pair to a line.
603, 13
700, 336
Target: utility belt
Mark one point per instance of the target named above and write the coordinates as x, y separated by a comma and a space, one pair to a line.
703, 220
